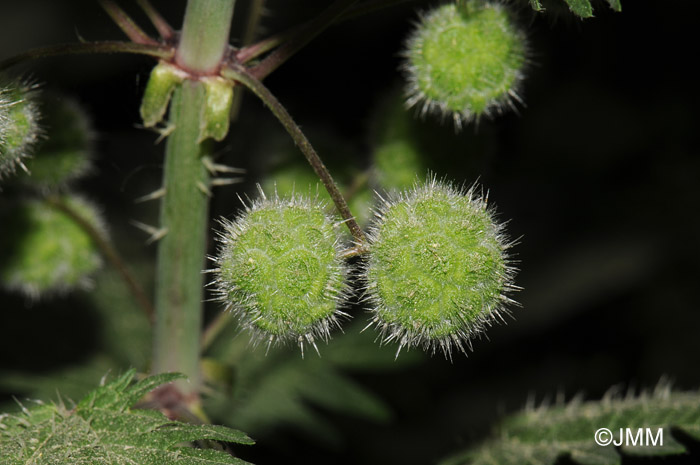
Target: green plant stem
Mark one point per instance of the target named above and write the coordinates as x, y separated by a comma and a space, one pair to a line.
301, 38
185, 207
184, 215
258, 88
108, 251
205, 35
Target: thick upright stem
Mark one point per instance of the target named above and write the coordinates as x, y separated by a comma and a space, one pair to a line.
184, 213
205, 35
185, 207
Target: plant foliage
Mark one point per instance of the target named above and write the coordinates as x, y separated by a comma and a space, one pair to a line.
103, 428
582, 8
545, 435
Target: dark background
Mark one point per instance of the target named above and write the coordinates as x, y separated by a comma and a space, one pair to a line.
598, 177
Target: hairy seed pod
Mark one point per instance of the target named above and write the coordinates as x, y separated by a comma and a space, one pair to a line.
64, 155
44, 251
437, 272
19, 124
465, 59
279, 268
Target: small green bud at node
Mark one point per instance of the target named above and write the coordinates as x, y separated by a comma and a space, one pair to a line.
406, 149
279, 268
465, 59
19, 126
299, 178
217, 108
64, 155
397, 157
288, 174
45, 251
161, 84
437, 272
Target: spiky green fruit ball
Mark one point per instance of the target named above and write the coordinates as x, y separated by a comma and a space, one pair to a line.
45, 251
465, 59
19, 124
280, 269
438, 270
64, 155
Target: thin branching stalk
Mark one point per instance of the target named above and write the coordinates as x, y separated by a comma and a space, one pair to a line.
156, 51
258, 88
252, 51
126, 24
164, 29
109, 252
293, 44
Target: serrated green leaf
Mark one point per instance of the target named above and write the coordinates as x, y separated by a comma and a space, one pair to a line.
103, 429
582, 8
106, 395
207, 457
186, 433
544, 435
615, 5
